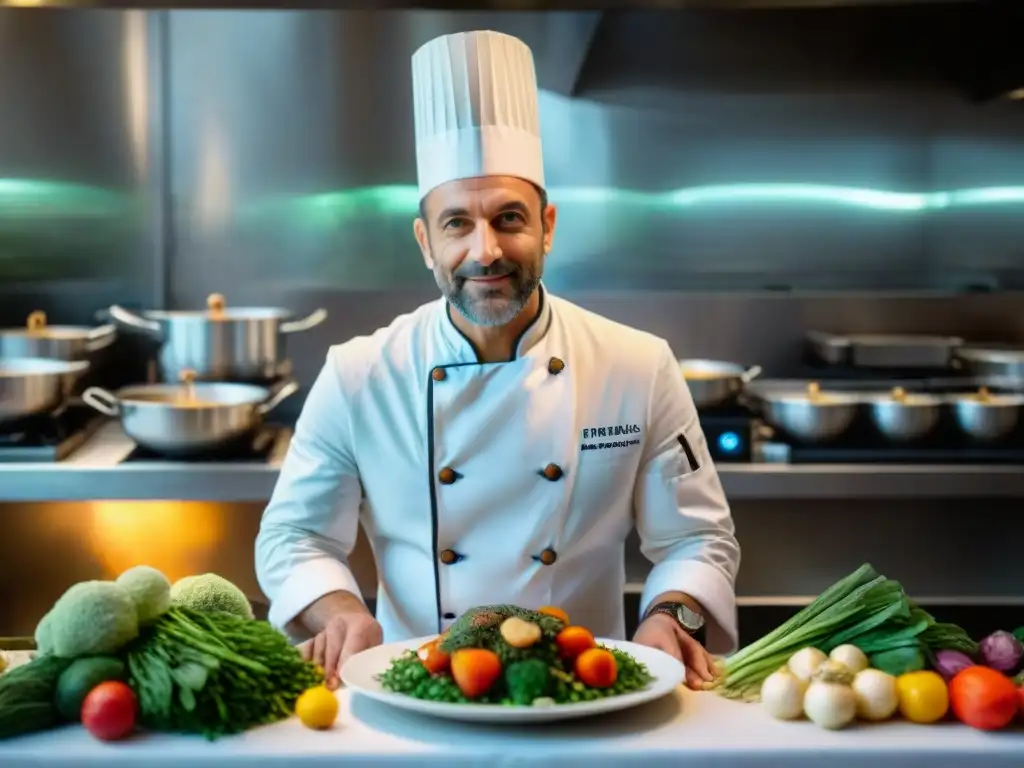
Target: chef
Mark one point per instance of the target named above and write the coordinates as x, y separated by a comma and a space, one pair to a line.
498, 444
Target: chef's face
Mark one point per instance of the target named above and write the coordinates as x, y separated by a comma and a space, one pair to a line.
485, 240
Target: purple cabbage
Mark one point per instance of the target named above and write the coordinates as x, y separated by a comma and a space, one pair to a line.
948, 663
1001, 651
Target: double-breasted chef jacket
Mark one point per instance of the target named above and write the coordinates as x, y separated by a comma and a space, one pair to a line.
512, 482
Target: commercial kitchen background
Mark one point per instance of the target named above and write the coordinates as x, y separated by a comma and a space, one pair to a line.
150, 159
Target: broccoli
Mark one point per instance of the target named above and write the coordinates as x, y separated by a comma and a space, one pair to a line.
149, 589
44, 641
527, 680
91, 618
480, 628
209, 592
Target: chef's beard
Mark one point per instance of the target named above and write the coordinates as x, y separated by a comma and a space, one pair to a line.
485, 306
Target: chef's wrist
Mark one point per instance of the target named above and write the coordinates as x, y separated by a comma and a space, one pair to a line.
324, 610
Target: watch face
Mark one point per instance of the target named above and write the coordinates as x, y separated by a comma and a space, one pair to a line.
691, 620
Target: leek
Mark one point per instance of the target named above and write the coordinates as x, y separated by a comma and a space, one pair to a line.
863, 609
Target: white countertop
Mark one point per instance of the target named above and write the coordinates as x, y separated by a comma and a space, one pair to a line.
688, 728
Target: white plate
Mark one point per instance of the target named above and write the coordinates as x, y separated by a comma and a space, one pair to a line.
359, 674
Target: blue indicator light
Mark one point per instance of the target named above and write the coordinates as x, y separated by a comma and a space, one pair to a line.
729, 442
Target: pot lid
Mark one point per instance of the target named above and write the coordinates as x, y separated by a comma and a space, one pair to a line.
37, 327
217, 309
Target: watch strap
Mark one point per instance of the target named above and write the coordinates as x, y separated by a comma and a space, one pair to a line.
689, 620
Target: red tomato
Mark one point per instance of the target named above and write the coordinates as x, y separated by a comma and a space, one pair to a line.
433, 658
1020, 698
983, 698
572, 641
475, 670
108, 712
597, 668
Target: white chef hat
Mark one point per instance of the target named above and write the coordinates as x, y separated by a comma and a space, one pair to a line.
475, 109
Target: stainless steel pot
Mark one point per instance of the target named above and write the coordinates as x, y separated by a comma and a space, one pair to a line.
713, 382
991, 361
60, 342
812, 416
220, 344
33, 385
189, 418
987, 417
904, 417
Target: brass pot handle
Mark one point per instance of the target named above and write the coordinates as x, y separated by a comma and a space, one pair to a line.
36, 321
215, 303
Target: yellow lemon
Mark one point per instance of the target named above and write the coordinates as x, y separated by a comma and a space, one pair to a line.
317, 708
923, 696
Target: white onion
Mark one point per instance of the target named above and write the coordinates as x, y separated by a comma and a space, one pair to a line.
876, 694
805, 662
782, 694
830, 705
850, 656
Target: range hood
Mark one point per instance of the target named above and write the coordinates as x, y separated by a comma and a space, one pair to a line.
964, 48
969, 49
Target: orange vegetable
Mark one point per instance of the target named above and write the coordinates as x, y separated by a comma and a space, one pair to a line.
433, 658
983, 698
558, 613
572, 641
596, 668
475, 671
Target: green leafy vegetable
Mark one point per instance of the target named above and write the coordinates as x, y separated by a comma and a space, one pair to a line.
215, 673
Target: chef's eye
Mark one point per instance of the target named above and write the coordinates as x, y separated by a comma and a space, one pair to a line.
510, 218
455, 223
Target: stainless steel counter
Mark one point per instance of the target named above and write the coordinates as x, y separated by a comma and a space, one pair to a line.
97, 471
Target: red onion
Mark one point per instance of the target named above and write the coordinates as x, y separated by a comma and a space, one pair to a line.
1001, 651
948, 663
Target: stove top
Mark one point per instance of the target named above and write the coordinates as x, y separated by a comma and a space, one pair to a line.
49, 437
946, 445
256, 448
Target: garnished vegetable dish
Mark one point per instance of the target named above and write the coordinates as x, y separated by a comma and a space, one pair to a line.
506, 655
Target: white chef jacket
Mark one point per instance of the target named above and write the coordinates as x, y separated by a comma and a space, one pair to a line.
513, 482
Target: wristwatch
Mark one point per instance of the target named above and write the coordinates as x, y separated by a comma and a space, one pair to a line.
689, 621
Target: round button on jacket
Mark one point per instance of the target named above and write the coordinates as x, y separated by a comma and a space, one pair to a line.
438, 374
548, 556
552, 472
446, 475
555, 366
449, 556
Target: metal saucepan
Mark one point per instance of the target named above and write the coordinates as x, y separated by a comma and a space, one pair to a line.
188, 418
713, 382
60, 342
904, 417
812, 416
991, 361
220, 343
34, 385
987, 417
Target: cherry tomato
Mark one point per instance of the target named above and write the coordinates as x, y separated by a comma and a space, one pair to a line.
475, 670
108, 711
558, 613
433, 658
572, 641
597, 668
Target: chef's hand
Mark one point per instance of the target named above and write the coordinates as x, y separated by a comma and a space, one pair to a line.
344, 635
664, 633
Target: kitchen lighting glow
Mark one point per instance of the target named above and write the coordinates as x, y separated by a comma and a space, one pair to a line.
405, 200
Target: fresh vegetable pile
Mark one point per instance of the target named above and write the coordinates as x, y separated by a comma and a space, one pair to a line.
115, 655
506, 655
864, 651
865, 610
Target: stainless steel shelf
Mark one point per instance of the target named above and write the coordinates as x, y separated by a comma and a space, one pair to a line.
96, 472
